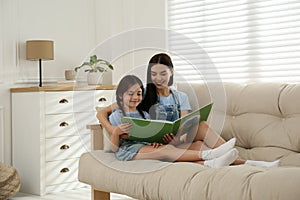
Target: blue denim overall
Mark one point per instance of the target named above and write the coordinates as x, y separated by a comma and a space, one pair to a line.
167, 112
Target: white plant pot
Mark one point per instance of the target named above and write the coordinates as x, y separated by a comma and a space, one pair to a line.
94, 78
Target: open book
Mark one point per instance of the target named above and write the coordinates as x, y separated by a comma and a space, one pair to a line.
154, 130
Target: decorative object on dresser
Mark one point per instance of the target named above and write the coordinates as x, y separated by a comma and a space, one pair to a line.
49, 133
96, 68
39, 50
70, 74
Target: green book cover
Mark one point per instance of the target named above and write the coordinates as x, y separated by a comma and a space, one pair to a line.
154, 130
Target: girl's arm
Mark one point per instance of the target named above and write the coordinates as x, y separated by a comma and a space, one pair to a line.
120, 131
103, 114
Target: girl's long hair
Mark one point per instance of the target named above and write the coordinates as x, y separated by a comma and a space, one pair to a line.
151, 96
125, 83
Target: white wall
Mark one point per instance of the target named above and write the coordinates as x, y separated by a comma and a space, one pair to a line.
77, 27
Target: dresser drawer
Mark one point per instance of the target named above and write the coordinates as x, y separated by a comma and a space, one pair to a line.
103, 98
59, 102
77, 101
67, 147
68, 124
58, 172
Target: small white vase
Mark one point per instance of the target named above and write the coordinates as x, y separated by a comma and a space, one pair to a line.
95, 78
70, 75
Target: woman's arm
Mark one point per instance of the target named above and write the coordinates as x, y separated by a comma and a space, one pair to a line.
103, 114
170, 138
114, 142
183, 112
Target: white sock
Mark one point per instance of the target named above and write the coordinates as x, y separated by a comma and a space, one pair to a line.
219, 151
263, 163
223, 160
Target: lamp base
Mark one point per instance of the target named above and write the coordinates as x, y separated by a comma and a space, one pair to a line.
40, 72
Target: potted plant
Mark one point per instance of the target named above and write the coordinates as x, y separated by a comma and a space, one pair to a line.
95, 68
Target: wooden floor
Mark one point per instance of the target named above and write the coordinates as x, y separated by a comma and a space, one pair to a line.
78, 194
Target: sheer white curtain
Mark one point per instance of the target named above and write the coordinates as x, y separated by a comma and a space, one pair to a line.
245, 40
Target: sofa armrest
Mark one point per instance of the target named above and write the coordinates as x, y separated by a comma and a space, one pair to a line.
96, 136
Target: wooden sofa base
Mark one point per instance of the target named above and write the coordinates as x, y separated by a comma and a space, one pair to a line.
100, 195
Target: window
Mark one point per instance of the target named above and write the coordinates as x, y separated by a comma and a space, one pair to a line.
236, 40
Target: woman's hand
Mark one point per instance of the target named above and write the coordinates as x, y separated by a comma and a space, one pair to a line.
171, 139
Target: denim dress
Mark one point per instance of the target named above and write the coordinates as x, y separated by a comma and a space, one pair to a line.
127, 148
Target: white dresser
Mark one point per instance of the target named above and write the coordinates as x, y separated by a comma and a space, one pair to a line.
49, 133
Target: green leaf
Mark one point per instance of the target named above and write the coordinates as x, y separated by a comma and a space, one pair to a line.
111, 67
95, 65
93, 59
100, 69
77, 68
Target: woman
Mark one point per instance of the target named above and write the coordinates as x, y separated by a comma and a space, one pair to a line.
162, 102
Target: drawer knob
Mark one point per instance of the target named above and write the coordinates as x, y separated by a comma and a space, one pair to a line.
102, 99
64, 170
63, 124
64, 101
65, 146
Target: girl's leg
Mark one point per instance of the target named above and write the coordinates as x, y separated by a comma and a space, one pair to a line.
169, 153
213, 158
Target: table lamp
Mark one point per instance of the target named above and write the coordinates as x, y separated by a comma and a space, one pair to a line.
39, 50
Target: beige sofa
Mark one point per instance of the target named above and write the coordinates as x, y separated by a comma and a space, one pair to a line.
265, 119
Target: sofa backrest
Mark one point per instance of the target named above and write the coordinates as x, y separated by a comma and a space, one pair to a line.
264, 117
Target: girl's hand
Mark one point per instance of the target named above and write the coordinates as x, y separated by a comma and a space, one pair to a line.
156, 145
122, 129
171, 139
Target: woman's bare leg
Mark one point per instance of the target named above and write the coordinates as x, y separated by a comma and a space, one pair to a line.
211, 140
203, 132
197, 145
201, 146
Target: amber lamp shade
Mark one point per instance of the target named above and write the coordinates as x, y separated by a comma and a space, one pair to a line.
39, 50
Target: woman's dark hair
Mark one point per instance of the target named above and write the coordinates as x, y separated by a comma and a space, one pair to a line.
125, 83
150, 97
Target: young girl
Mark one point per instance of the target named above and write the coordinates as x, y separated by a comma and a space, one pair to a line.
129, 95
